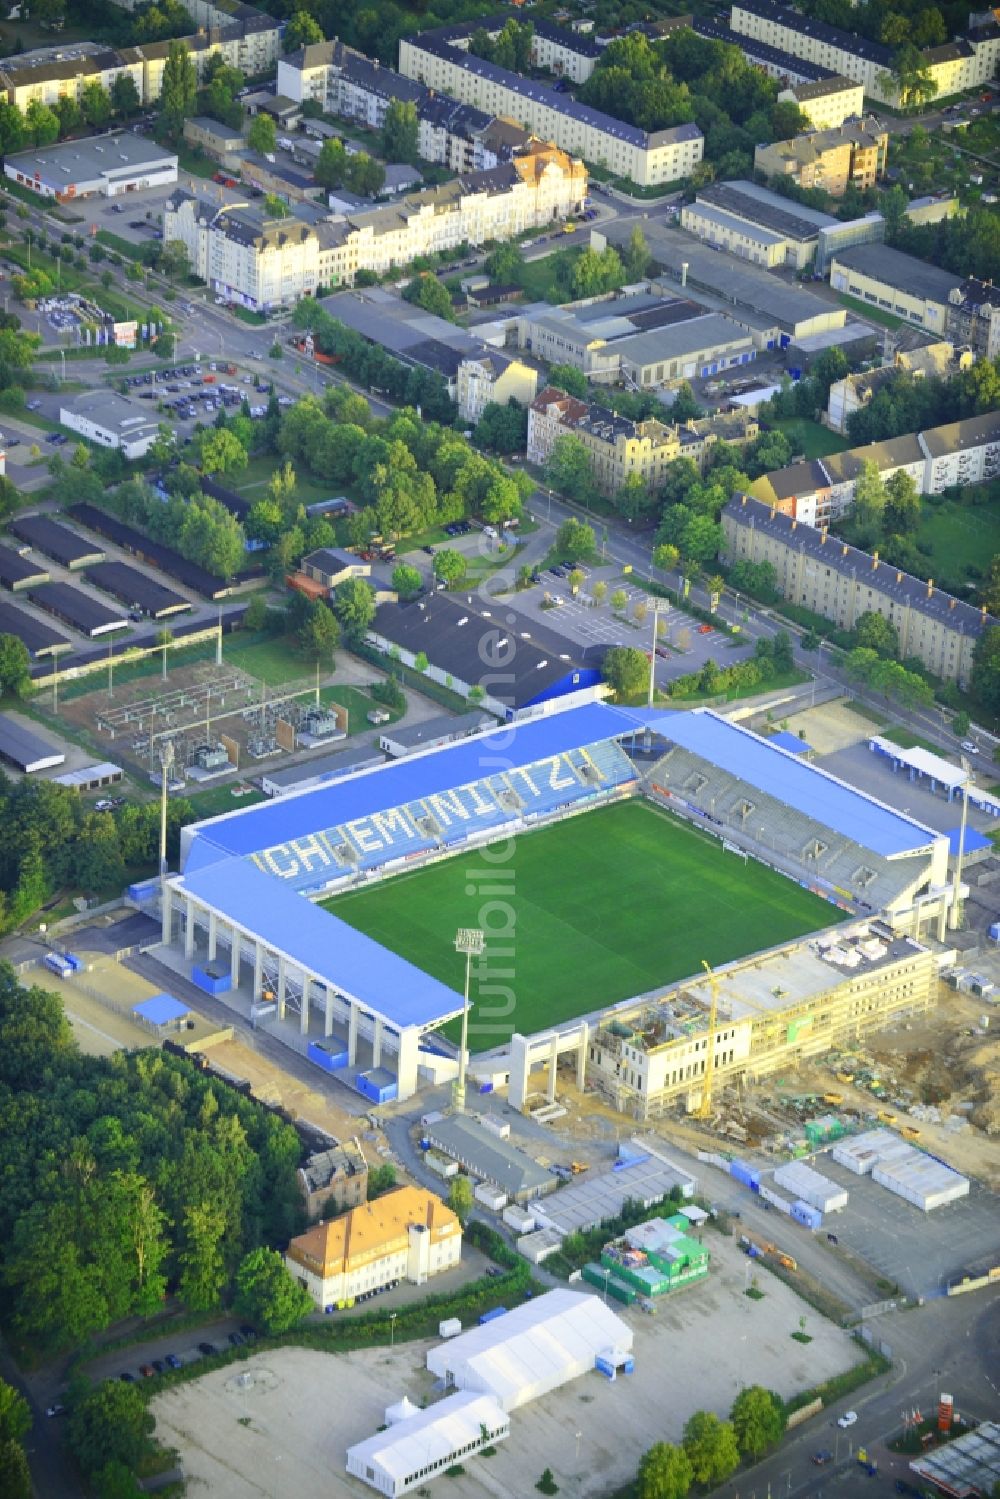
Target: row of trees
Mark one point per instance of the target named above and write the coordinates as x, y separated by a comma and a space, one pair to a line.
906, 404
711, 1449
139, 1174
40, 125
771, 658
371, 366
196, 526
53, 840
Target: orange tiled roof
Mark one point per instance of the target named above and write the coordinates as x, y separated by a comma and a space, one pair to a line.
371, 1231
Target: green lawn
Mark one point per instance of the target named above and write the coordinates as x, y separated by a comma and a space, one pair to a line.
602, 907
219, 799
810, 438
906, 739
538, 277
272, 659
960, 536
254, 479
873, 314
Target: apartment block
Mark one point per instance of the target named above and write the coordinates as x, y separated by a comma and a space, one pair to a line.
827, 102
825, 575
440, 59
852, 155
966, 62
756, 224
408, 1234
618, 447
820, 491
491, 377
962, 309
243, 37
261, 262
938, 360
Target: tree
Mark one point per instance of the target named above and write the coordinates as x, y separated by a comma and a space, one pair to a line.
758, 1420
301, 31
460, 1197
575, 541
502, 429
985, 680
432, 295
504, 264
664, 1473
878, 633
599, 591
15, 1414
262, 134
365, 175
781, 652
221, 452
684, 407
406, 580
15, 664
95, 104
788, 120
568, 468
381, 1179
125, 99
637, 257
331, 164
110, 1423
15, 1475
913, 79
573, 381
597, 271
175, 259
666, 557
400, 131
319, 633
626, 669
178, 89
41, 124
69, 114
902, 504
711, 1448
354, 605
449, 566
266, 1293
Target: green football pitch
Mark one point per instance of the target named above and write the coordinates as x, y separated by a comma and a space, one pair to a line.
592, 910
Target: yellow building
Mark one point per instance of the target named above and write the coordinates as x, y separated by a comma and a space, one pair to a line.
853, 155
826, 102
493, 377
409, 1234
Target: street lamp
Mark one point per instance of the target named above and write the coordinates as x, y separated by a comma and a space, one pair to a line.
954, 915
472, 942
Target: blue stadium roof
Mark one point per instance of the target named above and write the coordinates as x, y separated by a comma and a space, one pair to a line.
507, 747
329, 948
813, 792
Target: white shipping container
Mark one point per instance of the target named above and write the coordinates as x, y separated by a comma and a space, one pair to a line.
440, 1164
491, 1197
816, 1190
495, 1126
519, 1219
449, 1328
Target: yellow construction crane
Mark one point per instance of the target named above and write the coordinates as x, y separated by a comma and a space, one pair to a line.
705, 1107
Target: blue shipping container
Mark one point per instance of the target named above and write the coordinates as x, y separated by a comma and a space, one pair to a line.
804, 1213
498, 1311
376, 1089
212, 983
746, 1175
330, 1058
995, 931
486, 1087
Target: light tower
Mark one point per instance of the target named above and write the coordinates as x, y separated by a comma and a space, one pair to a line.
166, 765
472, 942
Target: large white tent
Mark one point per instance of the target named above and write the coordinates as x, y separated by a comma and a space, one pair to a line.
419, 1446
532, 1349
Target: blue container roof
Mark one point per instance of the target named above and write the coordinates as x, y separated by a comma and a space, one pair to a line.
161, 1009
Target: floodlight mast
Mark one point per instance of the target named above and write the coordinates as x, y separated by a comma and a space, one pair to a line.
472, 942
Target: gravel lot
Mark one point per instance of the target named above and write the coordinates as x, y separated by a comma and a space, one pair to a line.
288, 1431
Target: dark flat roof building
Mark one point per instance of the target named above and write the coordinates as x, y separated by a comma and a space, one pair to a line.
25, 749
57, 541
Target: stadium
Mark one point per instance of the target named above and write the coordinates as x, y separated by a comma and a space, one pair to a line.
616, 851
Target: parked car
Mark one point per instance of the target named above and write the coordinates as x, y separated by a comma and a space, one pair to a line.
127, 1378
969, 747
172, 1361
249, 1333
56, 1410
822, 1457
847, 1419
236, 1340
147, 1371
208, 1349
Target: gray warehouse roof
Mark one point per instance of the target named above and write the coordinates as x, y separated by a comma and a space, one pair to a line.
26, 750
903, 273
99, 155
488, 1156
700, 335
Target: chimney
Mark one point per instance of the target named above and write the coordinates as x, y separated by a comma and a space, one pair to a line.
930, 587
684, 273
874, 562
844, 550
952, 603
899, 577
824, 533
795, 525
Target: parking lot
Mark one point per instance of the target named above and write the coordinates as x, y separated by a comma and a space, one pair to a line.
873, 774
920, 1252
684, 644
193, 393
288, 1428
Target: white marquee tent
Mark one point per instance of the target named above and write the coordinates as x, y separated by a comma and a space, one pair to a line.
532, 1349
421, 1445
